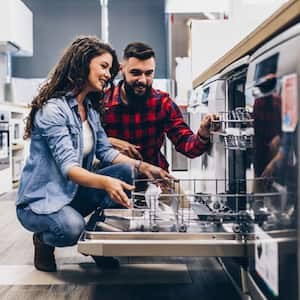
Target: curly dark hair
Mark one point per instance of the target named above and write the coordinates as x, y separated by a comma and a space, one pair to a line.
71, 73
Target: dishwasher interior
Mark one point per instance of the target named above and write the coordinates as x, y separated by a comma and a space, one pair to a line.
180, 206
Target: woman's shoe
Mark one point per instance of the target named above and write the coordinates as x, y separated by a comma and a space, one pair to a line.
44, 259
107, 263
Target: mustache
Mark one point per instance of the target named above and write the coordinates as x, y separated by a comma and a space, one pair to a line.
139, 84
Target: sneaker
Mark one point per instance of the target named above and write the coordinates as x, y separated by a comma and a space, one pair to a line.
44, 259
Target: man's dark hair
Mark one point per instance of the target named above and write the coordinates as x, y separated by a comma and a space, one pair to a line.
138, 50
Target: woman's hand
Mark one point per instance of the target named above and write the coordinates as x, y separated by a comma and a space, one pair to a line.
115, 189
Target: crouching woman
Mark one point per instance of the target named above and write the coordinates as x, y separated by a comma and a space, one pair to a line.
57, 188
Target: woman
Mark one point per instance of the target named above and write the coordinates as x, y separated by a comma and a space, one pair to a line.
57, 188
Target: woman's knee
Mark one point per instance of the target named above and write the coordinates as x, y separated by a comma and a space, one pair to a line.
72, 231
66, 231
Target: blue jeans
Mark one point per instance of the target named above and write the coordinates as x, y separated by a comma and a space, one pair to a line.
64, 227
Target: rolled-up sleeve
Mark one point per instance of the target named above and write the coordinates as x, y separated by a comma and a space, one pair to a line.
52, 122
185, 141
104, 150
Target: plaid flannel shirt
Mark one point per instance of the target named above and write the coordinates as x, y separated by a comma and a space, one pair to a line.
146, 127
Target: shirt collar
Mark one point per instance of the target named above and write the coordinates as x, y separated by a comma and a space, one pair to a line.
73, 101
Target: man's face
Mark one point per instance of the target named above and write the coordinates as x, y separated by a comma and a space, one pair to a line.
138, 77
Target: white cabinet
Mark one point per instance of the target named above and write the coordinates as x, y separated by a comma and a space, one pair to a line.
16, 26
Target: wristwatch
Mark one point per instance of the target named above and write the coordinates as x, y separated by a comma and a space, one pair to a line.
138, 164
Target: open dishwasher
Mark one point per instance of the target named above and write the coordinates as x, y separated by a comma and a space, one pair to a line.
175, 218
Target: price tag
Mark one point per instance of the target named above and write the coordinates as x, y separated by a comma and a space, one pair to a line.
289, 104
266, 259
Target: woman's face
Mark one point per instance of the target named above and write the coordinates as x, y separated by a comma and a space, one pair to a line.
99, 72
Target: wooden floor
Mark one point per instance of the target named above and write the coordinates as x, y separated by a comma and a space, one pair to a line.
163, 278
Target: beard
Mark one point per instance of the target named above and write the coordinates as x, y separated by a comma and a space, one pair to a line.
136, 101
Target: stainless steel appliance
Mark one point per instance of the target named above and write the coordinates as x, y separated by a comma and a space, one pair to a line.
241, 204
4, 140
272, 91
210, 99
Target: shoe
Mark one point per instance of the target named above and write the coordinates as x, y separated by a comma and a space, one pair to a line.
44, 259
106, 263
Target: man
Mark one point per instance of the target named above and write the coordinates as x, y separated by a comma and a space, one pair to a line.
137, 116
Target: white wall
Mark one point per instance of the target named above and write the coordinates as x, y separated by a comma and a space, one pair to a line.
211, 39
183, 80
192, 6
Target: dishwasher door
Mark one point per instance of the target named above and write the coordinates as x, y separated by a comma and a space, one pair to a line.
163, 244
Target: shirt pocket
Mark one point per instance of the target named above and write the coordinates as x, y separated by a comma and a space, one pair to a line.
74, 133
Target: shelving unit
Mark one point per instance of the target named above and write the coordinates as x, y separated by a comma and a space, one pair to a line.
18, 148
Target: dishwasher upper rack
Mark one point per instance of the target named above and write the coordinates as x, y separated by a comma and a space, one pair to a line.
241, 202
235, 129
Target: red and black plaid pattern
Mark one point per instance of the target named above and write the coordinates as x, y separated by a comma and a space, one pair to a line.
147, 126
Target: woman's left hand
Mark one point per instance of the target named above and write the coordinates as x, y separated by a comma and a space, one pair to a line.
153, 172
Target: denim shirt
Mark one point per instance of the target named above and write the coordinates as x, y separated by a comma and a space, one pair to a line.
56, 146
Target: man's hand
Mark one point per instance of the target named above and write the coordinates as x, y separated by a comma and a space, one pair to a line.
205, 126
153, 172
126, 148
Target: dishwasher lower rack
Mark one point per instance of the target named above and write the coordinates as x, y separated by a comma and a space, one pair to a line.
185, 221
180, 206
186, 205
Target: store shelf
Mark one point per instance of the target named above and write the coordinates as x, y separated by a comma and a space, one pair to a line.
285, 15
14, 107
17, 147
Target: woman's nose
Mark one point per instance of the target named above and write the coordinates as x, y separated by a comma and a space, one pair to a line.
107, 74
